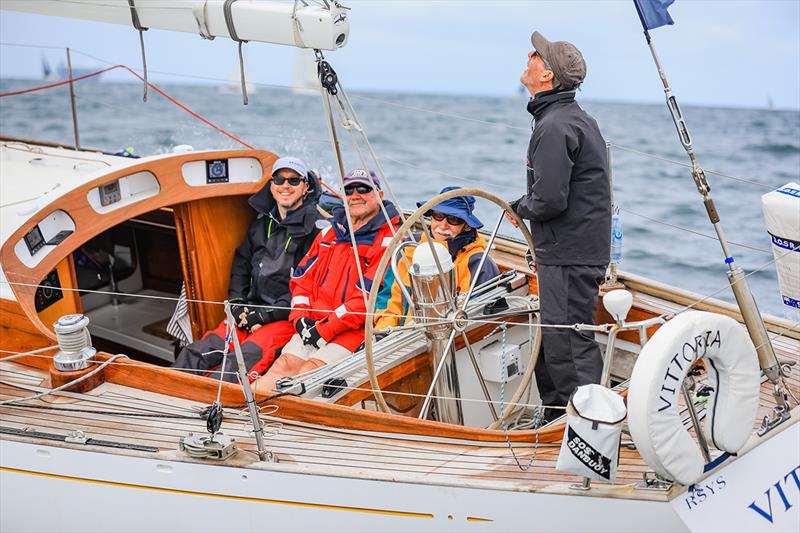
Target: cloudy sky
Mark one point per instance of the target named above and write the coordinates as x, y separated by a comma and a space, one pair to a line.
739, 53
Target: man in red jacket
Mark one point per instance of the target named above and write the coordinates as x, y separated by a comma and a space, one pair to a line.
328, 299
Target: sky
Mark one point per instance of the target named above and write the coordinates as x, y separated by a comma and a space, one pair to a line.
724, 53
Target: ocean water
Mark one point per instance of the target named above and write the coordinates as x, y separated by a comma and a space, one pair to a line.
425, 142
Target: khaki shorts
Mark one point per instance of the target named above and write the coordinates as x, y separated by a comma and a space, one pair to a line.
330, 353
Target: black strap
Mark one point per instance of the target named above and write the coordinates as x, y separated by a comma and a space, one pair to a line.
226, 10
141, 29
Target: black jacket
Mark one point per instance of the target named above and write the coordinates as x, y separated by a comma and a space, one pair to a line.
568, 200
272, 248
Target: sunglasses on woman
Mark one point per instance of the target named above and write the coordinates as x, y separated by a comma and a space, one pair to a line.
360, 189
280, 180
452, 220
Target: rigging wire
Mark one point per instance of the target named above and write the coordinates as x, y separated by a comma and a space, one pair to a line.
153, 86
688, 230
411, 108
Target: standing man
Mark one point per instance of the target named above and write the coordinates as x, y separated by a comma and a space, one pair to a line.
568, 202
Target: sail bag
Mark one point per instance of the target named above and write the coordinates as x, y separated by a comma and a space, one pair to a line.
782, 215
590, 447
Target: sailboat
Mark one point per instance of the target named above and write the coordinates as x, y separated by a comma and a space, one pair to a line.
305, 81
95, 248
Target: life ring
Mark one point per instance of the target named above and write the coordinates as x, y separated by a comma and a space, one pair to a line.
655, 387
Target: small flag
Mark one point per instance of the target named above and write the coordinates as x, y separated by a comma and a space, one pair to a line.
180, 325
653, 13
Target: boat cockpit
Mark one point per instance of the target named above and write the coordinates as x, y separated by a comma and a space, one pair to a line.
135, 248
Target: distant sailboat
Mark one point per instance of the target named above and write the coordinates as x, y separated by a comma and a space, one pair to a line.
47, 71
234, 84
770, 103
305, 81
62, 72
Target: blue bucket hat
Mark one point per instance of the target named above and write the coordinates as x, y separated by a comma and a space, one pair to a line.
459, 206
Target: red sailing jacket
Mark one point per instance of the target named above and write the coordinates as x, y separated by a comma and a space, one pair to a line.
325, 285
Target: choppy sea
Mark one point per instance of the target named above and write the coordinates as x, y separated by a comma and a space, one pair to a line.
426, 142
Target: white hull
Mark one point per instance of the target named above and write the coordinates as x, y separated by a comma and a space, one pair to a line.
87, 491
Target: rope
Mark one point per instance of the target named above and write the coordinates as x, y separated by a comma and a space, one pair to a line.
503, 374
152, 86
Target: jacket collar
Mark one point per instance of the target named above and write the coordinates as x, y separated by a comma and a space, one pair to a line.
544, 99
341, 228
461, 241
298, 222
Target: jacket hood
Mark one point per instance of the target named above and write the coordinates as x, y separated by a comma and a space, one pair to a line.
300, 221
342, 232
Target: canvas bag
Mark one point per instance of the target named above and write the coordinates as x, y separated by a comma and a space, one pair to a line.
590, 447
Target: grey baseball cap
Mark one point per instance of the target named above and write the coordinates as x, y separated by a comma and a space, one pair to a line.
564, 58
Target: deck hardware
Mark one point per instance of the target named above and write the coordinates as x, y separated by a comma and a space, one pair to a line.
263, 453
620, 326
287, 383
652, 481
333, 386
218, 446
584, 485
76, 437
74, 342
779, 416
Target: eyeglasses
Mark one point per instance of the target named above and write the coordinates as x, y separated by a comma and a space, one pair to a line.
280, 180
360, 189
452, 220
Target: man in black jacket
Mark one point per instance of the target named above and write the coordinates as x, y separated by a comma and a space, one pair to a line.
275, 243
569, 205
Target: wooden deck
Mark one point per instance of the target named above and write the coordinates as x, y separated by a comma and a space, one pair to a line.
104, 414
311, 448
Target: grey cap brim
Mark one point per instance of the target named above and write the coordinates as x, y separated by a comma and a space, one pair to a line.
541, 45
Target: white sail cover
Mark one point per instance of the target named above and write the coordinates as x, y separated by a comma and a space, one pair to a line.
782, 215
315, 25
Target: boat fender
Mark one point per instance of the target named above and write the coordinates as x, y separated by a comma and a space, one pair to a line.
733, 373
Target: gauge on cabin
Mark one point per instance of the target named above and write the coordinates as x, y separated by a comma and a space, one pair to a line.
217, 171
109, 193
48, 292
34, 240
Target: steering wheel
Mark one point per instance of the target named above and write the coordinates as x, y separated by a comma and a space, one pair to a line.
457, 317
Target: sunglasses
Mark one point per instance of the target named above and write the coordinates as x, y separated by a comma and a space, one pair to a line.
360, 189
280, 180
452, 220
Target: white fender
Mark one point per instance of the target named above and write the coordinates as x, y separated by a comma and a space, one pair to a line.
733, 372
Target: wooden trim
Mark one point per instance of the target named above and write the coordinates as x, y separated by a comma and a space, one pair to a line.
387, 379
89, 223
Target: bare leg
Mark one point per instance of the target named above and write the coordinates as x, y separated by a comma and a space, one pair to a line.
310, 365
285, 365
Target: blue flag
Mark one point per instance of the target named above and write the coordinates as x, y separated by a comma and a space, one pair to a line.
653, 13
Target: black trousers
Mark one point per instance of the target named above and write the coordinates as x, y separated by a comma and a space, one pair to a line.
568, 358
